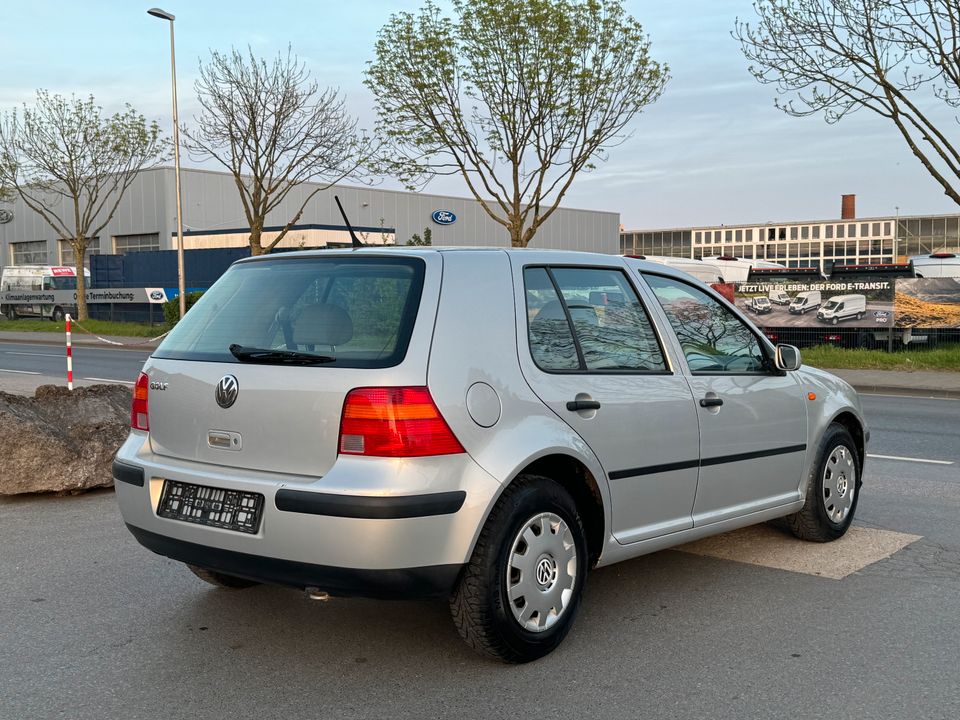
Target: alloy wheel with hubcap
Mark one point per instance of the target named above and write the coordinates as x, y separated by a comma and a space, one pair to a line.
518, 596
833, 486
542, 572
839, 483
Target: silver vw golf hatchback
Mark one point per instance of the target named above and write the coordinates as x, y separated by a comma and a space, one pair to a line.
481, 425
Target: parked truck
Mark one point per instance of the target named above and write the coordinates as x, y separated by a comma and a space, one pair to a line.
34, 280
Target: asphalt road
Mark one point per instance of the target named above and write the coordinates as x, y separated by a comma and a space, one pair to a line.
23, 366
94, 626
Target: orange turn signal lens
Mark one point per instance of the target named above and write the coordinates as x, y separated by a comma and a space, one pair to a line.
811, 396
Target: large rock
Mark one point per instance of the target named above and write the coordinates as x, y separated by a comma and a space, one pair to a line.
61, 441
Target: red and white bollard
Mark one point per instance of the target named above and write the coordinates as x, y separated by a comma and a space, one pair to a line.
69, 357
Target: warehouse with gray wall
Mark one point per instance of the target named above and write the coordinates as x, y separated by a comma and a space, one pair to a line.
213, 216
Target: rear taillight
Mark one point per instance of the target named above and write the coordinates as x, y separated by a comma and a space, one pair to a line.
139, 415
394, 422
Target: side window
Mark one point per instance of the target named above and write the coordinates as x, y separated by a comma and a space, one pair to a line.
714, 340
611, 330
551, 342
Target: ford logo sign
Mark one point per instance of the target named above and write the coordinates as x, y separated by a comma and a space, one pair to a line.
156, 295
444, 217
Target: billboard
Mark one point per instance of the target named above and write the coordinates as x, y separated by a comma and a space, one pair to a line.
780, 303
928, 303
69, 297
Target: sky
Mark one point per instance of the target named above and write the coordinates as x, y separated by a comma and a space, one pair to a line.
712, 150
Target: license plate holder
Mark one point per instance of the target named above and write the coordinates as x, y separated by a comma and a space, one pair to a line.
235, 510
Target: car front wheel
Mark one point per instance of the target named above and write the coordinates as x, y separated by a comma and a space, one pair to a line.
519, 594
833, 486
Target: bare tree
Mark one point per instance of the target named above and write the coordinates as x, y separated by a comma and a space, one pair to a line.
273, 129
71, 165
515, 96
892, 57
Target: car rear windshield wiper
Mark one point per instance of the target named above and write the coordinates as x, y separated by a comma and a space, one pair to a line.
277, 356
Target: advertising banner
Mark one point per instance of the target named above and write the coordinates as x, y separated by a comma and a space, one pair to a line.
69, 297
928, 303
821, 303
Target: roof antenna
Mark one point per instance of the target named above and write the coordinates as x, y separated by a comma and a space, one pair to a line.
353, 235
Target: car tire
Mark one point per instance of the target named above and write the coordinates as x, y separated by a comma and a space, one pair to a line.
57, 315
835, 321
12, 312
490, 607
219, 579
833, 489
860, 316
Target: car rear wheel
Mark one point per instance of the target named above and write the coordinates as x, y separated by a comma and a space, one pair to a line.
57, 315
220, 579
833, 487
518, 596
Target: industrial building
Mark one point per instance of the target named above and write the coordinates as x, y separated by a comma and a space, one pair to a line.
213, 218
846, 240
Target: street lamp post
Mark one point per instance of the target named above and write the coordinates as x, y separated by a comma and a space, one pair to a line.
163, 15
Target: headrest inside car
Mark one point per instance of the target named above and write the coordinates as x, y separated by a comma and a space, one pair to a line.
322, 324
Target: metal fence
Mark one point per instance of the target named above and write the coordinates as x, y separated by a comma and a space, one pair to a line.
893, 340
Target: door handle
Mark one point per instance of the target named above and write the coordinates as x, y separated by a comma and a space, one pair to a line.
583, 405
711, 402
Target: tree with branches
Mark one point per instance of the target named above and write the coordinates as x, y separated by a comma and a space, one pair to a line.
273, 129
896, 58
71, 165
517, 97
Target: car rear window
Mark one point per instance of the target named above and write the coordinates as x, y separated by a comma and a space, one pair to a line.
359, 310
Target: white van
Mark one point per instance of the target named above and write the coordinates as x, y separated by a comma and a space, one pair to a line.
843, 307
736, 269
779, 297
805, 302
37, 278
705, 271
940, 264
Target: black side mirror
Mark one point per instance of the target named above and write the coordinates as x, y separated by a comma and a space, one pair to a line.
788, 357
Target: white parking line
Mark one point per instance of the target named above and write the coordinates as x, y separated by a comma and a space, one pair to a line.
909, 397
111, 380
14, 352
907, 459
20, 372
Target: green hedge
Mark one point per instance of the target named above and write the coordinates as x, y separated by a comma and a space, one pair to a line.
171, 308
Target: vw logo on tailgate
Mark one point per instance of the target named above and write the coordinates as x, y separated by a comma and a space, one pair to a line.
227, 390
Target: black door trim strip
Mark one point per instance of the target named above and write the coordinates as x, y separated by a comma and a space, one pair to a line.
751, 455
369, 507
705, 462
653, 469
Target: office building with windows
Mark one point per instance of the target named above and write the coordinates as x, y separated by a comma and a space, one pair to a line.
213, 218
848, 240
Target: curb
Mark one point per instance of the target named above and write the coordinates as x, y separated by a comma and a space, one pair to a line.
924, 392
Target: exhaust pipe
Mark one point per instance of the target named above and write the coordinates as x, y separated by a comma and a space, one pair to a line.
314, 593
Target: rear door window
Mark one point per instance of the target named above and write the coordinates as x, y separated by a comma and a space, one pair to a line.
595, 324
359, 310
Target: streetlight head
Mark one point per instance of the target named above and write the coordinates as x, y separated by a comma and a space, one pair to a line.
162, 14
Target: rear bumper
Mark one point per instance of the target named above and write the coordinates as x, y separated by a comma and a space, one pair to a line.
370, 527
397, 584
